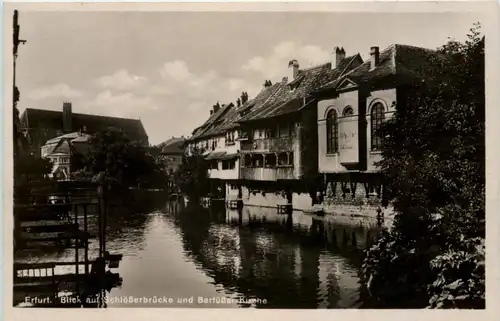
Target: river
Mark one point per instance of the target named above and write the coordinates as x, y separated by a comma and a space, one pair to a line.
194, 257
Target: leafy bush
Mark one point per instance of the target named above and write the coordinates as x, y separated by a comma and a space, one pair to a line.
434, 171
192, 176
123, 161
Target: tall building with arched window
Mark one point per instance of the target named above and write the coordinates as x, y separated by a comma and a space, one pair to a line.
352, 109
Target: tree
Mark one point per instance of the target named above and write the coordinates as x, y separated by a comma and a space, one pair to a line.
192, 176
123, 161
30, 167
434, 171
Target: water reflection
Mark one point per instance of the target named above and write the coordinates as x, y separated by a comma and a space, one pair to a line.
291, 261
183, 252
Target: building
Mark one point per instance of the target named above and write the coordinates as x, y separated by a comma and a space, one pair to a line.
39, 125
173, 151
271, 140
62, 150
312, 138
352, 108
280, 148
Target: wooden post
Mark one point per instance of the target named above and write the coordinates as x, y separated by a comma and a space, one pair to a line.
99, 218
77, 244
85, 228
104, 217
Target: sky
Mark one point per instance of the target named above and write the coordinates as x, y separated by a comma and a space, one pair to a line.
169, 68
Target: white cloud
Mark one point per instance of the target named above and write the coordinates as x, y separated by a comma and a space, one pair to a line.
236, 83
119, 105
59, 90
275, 66
121, 80
175, 70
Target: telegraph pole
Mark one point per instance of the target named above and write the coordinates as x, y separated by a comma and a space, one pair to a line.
15, 93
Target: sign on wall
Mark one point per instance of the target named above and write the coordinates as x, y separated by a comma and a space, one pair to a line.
348, 139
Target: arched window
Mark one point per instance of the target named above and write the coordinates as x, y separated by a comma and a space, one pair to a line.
332, 141
377, 117
348, 111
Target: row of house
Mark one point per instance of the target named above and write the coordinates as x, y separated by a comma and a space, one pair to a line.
314, 134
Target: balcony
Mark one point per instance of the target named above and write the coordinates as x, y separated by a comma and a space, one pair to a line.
285, 173
223, 174
267, 174
278, 144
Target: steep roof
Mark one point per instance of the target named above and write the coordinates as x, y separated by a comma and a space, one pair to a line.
174, 145
292, 97
64, 147
211, 122
72, 136
398, 64
71, 143
41, 118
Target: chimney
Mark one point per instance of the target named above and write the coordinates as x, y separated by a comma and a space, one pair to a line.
267, 83
238, 102
66, 115
244, 97
216, 107
211, 112
294, 64
374, 56
338, 56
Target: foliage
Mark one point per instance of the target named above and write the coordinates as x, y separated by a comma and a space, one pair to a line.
123, 161
434, 171
31, 167
192, 175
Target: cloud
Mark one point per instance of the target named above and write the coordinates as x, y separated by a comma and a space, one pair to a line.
275, 66
236, 83
59, 91
119, 104
176, 70
178, 79
121, 80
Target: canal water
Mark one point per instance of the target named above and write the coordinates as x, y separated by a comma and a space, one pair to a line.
187, 256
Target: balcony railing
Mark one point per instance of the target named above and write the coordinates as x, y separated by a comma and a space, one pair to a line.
285, 173
278, 144
267, 174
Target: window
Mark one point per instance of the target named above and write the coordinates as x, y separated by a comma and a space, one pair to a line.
228, 164
377, 117
285, 159
348, 111
270, 161
230, 138
284, 130
332, 141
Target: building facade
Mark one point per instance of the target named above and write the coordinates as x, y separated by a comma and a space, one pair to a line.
313, 138
63, 150
351, 111
39, 126
173, 151
281, 149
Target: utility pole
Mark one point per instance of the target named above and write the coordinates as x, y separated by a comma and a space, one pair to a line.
15, 94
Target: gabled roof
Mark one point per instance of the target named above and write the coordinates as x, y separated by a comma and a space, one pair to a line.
211, 122
63, 147
174, 145
293, 96
71, 136
398, 65
41, 118
228, 120
69, 144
